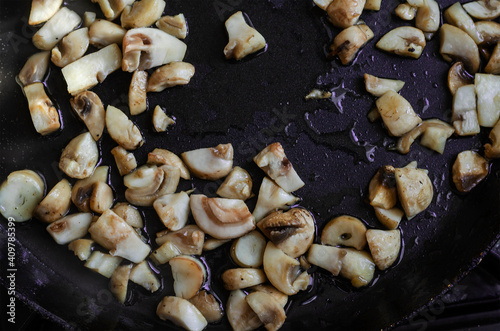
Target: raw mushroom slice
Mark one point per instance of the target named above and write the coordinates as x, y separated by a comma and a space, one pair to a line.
173, 210
161, 121
82, 248
164, 157
92, 69
243, 39
239, 278
457, 45
415, 190
83, 188
404, 41
113, 8
142, 13
71, 48
137, 98
122, 130
240, 315
390, 218
56, 203
43, 10
189, 275
20, 193
237, 185
102, 263
59, 25
146, 48
70, 228
492, 150
273, 161
345, 13
483, 9
272, 197
248, 251
406, 11
34, 69
458, 77
382, 188
269, 311
118, 283
384, 245
79, 157
347, 43
488, 99
208, 306
379, 86
456, 15
210, 163
345, 230
125, 161
428, 17
103, 33
89, 108
397, 113
182, 313
221, 218
44, 115
292, 231
143, 275
326, 257
358, 267
469, 169
169, 75
174, 25
129, 214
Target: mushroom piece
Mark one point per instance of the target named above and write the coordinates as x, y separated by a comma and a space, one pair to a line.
44, 115
101, 198
169, 75
489, 32
34, 69
92, 69
129, 214
212, 243
210, 163
142, 13
344, 230
469, 169
415, 190
345, 13
492, 150
89, 17
373, 5
20, 193
125, 161
428, 17
243, 39
113, 8
103, 263
488, 99
145, 176
323, 4
270, 198
248, 251
237, 185
456, 15
79, 157
379, 86
118, 283
165, 253
292, 231
71, 48
182, 313
113, 233
358, 267
239, 313
137, 99
174, 25
483, 9
493, 66
146, 48
458, 77
318, 94
348, 42
384, 245
404, 41
464, 116
221, 218
189, 240
162, 156
406, 11
83, 188
239, 278
271, 290
143, 275
89, 108
59, 25
273, 161
122, 130
43, 10
103, 33
457, 45
189, 275
269, 311
161, 121
70, 228
208, 306
382, 188
173, 210
326, 257
397, 113
390, 218
435, 134
82, 248
56, 203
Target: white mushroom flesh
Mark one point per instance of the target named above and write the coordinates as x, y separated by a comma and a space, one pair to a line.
382, 188
239, 278
397, 113
56, 203
174, 25
390, 218
326, 257
345, 13
89, 108
118, 283
210, 163
89, 17
493, 66
428, 17
346, 231
43, 10
488, 99
44, 115
161, 121
379, 86
182, 313
456, 15
358, 267
189, 240
239, 313
169, 75
269, 311
162, 156
347, 43
129, 214
35, 68
464, 116
137, 98
457, 45
82, 248
272, 197
142, 13
83, 188
79, 157
483, 9
384, 245
173, 210
102, 263
113, 8
469, 169
125, 161
406, 11
122, 129
492, 150
404, 41
243, 39
237, 185
248, 251
70, 228
71, 48
208, 306
59, 25
143, 275
103, 33
415, 190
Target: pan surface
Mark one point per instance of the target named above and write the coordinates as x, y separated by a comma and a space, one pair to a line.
252, 103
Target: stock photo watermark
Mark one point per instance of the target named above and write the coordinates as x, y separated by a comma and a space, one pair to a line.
11, 270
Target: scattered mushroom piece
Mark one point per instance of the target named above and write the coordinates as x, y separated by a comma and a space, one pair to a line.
271, 290
189, 240
492, 150
326, 257
118, 283
173, 210
142, 274
174, 25
43, 10
237, 185
483, 9
83, 188
34, 69
129, 214
89, 108
458, 77
404, 41
272, 197
428, 17
71, 48
345, 230
89, 17
239, 313
239, 278
210, 163
122, 130
70, 227
146, 176
103, 33
125, 161
182, 313
456, 15
208, 306
345, 13
469, 169
59, 25
385, 246
379, 86
493, 66
101, 198
92, 69
44, 115
415, 190
397, 113
103, 263
189, 275
161, 121
243, 39
347, 43
211, 243
113, 8
373, 5
169, 75
269, 311
406, 11
142, 13
382, 188
146, 48
20, 193
82, 248
436, 134
248, 251
488, 99
390, 218
165, 253
464, 116
162, 156
56, 203
358, 267
457, 45
137, 99
79, 157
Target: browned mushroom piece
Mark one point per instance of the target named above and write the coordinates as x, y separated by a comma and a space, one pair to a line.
469, 169
347, 43
382, 188
103, 33
44, 115
113, 8
174, 25
243, 39
345, 13
79, 157
458, 77
89, 108
71, 48
43, 10
492, 150
169, 75
137, 98
404, 41
142, 13
457, 45
434, 135
35, 68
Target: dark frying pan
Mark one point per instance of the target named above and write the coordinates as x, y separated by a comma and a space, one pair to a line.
251, 104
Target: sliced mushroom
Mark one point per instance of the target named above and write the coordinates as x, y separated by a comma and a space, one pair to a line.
59, 25
174, 25
270, 198
404, 41
464, 115
384, 245
44, 115
326, 257
269, 311
397, 113
56, 203
406, 11
347, 43
469, 169
344, 230
239, 278
122, 130
488, 99
71, 48
137, 100
182, 313
20, 193
83, 188
458, 77
390, 218
173, 210
208, 306
103, 33
415, 190
162, 156
210, 163
221, 218
189, 274
82, 248
492, 150
79, 157
379, 86
146, 176
43, 10
129, 214
146, 48
113, 8
271, 290
382, 188
113, 233
34, 69
358, 267
142, 13
118, 283
189, 240
243, 39
493, 66
101, 198
457, 45
483, 9
143, 275
169, 75
345, 13
165, 253
89, 108
125, 161
92, 69
273, 161
456, 15
102, 263
89, 17
70, 228
248, 251
240, 315
237, 185
292, 231
436, 134
428, 17
161, 121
